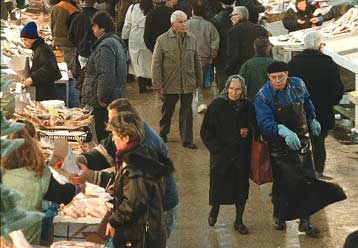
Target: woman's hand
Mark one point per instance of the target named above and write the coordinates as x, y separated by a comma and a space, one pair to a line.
299, 21
244, 132
314, 20
27, 81
110, 231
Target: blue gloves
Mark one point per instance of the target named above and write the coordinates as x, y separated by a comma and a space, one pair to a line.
315, 127
290, 137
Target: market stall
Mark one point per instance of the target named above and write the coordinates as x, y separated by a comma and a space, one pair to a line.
344, 27
14, 55
344, 52
341, 39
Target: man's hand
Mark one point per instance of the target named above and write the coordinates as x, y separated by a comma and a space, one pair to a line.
299, 21
315, 127
314, 20
80, 179
110, 231
161, 93
268, 8
102, 104
27, 82
291, 138
244, 132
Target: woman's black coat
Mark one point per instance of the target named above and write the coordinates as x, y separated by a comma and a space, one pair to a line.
229, 152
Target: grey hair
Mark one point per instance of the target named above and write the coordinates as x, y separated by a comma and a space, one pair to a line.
242, 11
176, 14
312, 40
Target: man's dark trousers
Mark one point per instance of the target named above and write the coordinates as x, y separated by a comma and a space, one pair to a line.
185, 115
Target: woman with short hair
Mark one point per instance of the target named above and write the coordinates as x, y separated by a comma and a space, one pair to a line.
137, 214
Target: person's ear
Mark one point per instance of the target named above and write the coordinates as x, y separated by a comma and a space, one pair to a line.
126, 139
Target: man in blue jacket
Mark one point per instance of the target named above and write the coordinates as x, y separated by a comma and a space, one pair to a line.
284, 113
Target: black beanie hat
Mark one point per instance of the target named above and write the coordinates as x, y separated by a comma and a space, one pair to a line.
228, 2
277, 66
29, 31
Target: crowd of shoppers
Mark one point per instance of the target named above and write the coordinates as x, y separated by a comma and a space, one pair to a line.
284, 103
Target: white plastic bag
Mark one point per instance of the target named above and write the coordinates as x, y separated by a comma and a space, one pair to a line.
194, 104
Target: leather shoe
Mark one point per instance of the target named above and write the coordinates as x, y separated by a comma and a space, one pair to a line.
212, 220
190, 146
279, 224
320, 176
308, 228
241, 228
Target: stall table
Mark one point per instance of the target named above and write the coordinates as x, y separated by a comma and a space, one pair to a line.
78, 225
344, 52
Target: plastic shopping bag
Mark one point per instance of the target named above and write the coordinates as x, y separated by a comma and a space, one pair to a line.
194, 104
109, 244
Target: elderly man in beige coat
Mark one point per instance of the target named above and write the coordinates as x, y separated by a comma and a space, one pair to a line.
177, 73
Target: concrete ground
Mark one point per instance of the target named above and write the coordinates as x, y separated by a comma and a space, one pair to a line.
192, 178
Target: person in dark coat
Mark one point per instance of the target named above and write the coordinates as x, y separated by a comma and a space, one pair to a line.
44, 70
321, 75
158, 21
285, 114
223, 24
240, 39
137, 215
106, 72
80, 32
227, 131
301, 16
254, 7
254, 70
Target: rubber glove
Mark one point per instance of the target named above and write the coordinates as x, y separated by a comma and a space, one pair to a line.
290, 137
315, 127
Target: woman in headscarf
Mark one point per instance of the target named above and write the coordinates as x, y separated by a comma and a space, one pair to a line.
227, 133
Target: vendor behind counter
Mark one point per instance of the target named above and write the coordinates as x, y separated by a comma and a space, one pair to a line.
25, 170
44, 70
302, 15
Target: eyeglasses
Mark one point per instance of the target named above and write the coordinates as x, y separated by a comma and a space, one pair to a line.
232, 15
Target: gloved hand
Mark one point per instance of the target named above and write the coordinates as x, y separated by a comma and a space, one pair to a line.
291, 138
315, 127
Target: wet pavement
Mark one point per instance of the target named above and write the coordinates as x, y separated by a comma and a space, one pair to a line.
192, 177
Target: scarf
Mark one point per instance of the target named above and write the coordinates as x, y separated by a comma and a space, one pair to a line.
121, 152
224, 94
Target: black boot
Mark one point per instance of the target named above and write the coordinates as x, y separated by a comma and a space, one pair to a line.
279, 224
213, 215
148, 82
142, 85
308, 228
238, 224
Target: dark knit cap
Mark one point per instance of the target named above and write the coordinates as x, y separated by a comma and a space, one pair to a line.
277, 66
228, 2
29, 31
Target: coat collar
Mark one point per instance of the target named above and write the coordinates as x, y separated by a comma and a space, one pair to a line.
197, 17
104, 36
37, 42
311, 52
173, 35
